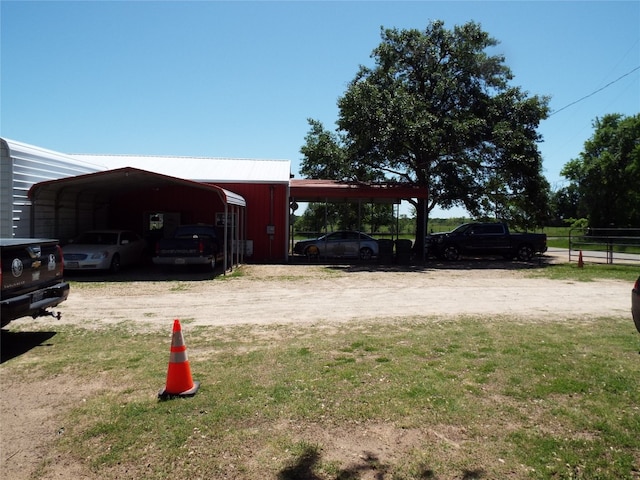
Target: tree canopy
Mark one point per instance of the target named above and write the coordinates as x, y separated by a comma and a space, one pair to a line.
606, 174
436, 110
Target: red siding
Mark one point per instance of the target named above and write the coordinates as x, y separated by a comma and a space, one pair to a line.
193, 205
266, 204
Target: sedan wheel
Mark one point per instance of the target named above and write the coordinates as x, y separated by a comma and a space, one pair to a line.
115, 264
366, 253
312, 251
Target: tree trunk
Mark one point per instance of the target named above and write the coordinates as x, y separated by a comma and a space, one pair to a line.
422, 217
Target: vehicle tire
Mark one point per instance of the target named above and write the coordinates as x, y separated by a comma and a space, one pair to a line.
451, 253
366, 253
525, 252
312, 251
115, 264
212, 264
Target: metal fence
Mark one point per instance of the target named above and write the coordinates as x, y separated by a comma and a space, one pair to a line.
605, 245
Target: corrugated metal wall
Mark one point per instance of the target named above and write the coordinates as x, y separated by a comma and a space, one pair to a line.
267, 205
6, 191
22, 166
65, 216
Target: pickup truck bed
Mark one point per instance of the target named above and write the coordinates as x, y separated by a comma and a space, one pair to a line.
31, 278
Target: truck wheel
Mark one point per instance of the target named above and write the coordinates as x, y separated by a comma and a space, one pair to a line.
212, 263
366, 253
525, 253
115, 264
451, 253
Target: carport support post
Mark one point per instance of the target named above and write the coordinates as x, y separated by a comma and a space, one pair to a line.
226, 241
359, 224
326, 229
396, 214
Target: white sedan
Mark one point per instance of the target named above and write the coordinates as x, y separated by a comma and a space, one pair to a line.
104, 250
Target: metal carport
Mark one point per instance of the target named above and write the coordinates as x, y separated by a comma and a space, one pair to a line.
309, 190
333, 191
65, 207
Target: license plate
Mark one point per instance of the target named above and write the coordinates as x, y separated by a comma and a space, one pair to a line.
71, 264
180, 261
37, 296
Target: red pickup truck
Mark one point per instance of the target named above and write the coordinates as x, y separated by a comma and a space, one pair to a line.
31, 278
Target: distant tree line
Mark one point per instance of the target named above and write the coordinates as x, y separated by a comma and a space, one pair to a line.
604, 181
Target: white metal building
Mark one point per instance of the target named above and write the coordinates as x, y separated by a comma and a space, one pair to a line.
22, 166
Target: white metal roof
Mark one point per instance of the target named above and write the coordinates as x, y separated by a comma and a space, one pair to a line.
25, 151
200, 169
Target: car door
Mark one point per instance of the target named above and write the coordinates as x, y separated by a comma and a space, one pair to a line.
129, 248
488, 239
340, 244
350, 244
335, 246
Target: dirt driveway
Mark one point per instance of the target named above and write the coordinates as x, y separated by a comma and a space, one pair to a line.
265, 294
277, 294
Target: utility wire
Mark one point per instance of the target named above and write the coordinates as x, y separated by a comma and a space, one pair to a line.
593, 93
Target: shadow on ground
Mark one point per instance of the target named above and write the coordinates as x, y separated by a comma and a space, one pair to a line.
14, 344
483, 263
145, 273
154, 273
303, 469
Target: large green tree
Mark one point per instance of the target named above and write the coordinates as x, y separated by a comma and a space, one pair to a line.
606, 174
436, 110
327, 158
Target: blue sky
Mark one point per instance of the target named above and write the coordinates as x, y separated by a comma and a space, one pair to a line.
239, 79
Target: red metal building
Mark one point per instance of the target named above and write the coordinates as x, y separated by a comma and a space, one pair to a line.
250, 198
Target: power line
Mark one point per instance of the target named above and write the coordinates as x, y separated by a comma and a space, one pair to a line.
593, 93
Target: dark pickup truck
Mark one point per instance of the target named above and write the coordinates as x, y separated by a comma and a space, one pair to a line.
30, 278
190, 245
479, 239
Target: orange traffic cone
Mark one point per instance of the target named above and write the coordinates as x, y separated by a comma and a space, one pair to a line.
179, 381
580, 261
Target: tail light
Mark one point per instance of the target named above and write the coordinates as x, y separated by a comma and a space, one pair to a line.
59, 248
201, 246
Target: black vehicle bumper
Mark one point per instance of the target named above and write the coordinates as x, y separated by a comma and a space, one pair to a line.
33, 303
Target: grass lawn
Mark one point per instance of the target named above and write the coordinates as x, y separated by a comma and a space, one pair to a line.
479, 398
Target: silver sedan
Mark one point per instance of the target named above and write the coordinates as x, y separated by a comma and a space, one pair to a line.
341, 244
104, 250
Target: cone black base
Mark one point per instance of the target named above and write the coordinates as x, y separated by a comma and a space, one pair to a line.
164, 395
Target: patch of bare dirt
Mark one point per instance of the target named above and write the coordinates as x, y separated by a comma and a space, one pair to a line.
264, 295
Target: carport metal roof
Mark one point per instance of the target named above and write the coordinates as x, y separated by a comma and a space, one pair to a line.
124, 180
305, 190
201, 169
